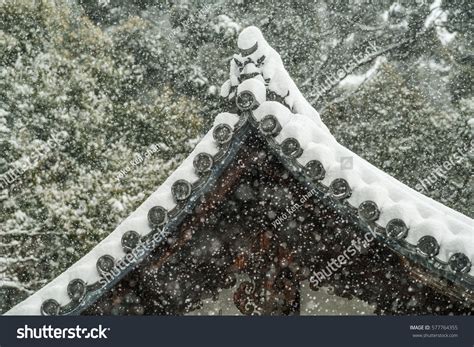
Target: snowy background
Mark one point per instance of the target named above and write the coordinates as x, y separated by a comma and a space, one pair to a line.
127, 88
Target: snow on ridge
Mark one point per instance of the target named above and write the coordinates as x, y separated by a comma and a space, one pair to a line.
423, 215
453, 230
85, 268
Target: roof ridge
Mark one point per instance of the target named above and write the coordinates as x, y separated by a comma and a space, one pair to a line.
284, 122
266, 97
257, 60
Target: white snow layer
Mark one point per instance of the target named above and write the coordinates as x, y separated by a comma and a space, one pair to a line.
85, 268
423, 216
272, 69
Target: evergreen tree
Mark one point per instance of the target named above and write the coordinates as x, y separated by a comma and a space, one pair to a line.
113, 78
67, 83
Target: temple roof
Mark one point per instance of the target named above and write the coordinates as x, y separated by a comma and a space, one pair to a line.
267, 99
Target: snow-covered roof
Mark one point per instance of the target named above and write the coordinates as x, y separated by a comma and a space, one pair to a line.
268, 98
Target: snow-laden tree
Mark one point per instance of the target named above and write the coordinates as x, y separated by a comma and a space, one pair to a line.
115, 77
64, 78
